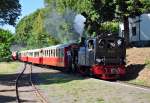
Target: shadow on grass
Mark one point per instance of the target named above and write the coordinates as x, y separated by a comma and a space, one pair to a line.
6, 99
44, 78
38, 78
132, 71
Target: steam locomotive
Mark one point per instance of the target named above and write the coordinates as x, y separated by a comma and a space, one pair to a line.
103, 57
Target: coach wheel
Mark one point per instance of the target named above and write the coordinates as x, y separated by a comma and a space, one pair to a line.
66, 69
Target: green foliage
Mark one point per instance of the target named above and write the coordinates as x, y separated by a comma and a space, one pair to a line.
43, 27
147, 62
112, 26
6, 39
98, 12
131, 7
24, 28
30, 31
93, 10
9, 11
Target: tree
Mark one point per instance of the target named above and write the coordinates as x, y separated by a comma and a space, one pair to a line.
99, 11
9, 11
6, 39
95, 11
130, 8
30, 31
24, 28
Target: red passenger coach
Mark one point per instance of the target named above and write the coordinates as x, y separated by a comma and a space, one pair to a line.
55, 55
35, 56
23, 56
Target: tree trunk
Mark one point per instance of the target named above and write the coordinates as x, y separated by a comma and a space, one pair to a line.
126, 30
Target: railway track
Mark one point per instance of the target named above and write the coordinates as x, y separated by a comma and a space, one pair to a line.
36, 91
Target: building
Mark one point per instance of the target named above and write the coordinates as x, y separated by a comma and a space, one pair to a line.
139, 30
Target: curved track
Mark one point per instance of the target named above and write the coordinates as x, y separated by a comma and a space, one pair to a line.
36, 91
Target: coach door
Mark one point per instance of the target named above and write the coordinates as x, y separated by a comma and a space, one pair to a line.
41, 56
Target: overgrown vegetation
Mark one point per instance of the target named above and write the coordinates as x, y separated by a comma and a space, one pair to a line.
6, 38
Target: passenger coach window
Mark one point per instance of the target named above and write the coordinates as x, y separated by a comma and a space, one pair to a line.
62, 52
56, 52
59, 52
49, 53
53, 53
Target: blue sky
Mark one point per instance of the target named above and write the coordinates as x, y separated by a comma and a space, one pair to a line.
28, 6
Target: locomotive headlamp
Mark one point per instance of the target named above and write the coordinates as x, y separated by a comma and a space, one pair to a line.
119, 42
98, 60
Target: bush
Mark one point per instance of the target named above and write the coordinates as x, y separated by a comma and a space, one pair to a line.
6, 39
112, 26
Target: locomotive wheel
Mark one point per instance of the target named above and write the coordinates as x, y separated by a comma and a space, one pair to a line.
83, 70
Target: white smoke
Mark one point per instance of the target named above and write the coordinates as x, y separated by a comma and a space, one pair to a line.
66, 27
79, 23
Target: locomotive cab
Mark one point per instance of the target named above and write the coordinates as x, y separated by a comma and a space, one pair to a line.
86, 54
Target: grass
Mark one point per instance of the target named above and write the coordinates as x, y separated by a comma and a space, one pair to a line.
139, 82
72, 88
100, 100
147, 62
8, 67
64, 88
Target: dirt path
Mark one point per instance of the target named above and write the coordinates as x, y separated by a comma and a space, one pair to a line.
7, 88
138, 55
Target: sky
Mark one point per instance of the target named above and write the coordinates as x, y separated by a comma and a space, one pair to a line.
28, 6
